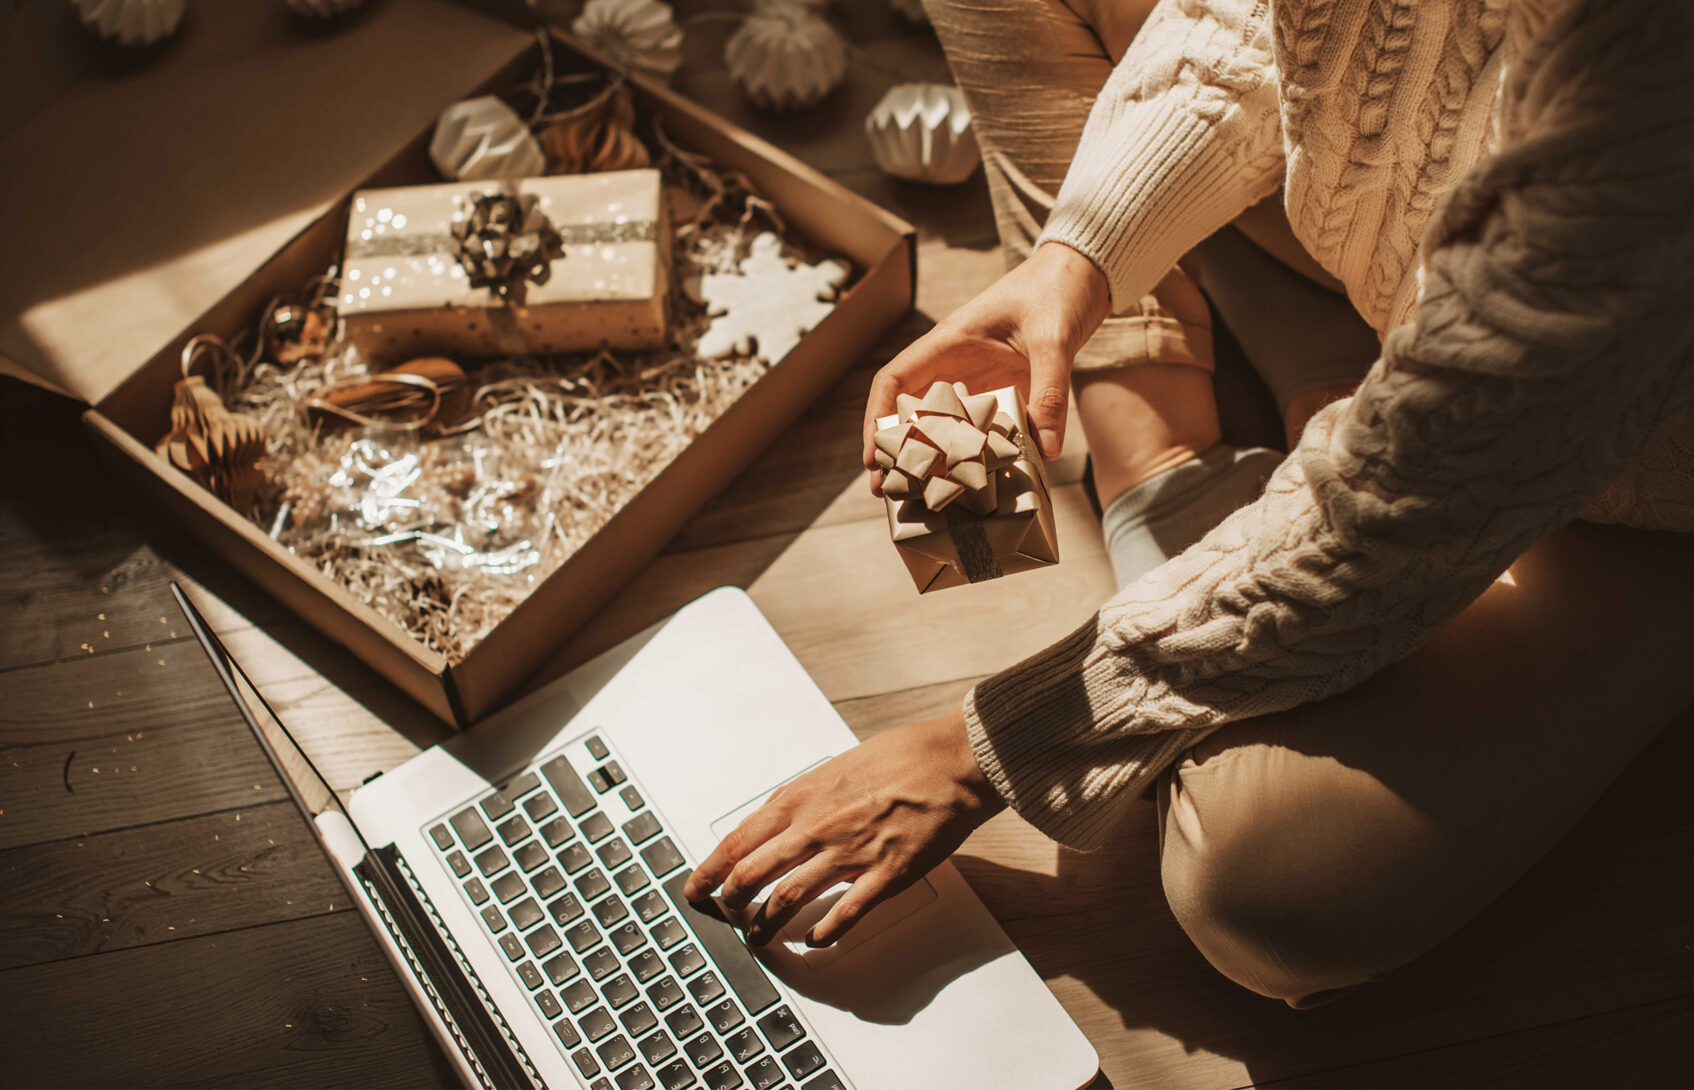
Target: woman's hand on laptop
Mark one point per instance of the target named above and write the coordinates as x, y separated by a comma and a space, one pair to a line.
879, 816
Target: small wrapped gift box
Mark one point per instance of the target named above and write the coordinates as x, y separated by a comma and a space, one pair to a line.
529, 265
962, 480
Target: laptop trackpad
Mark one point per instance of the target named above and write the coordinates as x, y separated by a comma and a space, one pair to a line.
792, 938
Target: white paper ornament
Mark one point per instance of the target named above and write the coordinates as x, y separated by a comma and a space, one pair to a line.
483, 138
324, 9
910, 9
766, 305
641, 34
786, 57
922, 132
131, 22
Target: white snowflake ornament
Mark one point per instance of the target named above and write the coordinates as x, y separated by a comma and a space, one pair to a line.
767, 304
641, 34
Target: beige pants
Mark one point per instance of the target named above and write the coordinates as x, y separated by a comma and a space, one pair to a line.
1308, 852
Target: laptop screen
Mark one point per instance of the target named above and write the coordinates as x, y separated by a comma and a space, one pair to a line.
304, 783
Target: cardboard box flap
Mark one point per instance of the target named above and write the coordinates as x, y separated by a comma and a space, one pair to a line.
146, 197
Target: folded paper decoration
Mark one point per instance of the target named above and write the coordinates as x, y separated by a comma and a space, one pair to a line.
966, 496
532, 265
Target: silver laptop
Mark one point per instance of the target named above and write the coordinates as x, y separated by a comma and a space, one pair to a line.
525, 879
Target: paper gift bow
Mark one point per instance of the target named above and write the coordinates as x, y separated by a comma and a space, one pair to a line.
505, 241
962, 481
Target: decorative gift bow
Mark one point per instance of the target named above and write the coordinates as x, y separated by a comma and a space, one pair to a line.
505, 241
951, 445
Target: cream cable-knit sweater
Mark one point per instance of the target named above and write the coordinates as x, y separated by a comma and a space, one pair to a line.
1506, 187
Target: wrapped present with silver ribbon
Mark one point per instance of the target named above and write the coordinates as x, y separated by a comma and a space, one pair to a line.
508, 266
962, 480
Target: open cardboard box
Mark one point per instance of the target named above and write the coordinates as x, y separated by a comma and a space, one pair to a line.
130, 419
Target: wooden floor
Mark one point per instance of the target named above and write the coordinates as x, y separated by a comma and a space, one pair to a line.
166, 919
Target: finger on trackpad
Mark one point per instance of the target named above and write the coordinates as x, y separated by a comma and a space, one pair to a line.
878, 920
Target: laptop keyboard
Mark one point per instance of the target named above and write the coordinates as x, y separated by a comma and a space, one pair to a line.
640, 989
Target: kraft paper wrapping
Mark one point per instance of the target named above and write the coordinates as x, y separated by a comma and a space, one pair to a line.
966, 496
600, 245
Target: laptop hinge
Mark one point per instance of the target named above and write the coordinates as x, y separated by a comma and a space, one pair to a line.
457, 1000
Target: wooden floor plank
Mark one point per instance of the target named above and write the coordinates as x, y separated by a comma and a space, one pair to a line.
309, 1002
161, 883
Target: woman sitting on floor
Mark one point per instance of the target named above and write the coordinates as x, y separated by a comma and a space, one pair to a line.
1375, 689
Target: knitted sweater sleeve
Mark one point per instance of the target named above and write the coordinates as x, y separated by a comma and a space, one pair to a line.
1550, 347
1183, 137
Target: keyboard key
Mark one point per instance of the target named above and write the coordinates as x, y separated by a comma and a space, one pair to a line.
632, 879
628, 939
666, 993
610, 911
684, 1022
461, 866
802, 1059
600, 963
548, 1003
512, 830
521, 786
656, 1047
560, 968
614, 853
476, 891
702, 1051
442, 836
744, 975
582, 935
635, 1078
508, 886
493, 919
585, 1063
781, 1028
548, 882
530, 975
564, 909
829, 1080
723, 1077
529, 855
632, 798
543, 941
566, 1033
619, 991
579, 995
641, 828
598, 780
614, 772
706, 988
556, 832
539, 807
592, 885
764, 1073
597, 748
492, 861
725, 1016
569, 785
662, 857
638, 1019
473, 832
616, 1052
687, 961
646, 965
574, 858
668, 932
596, 827
525, 914
744, 1045
513, 948
596, 1024
496, 806
650, 905
676, 1076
